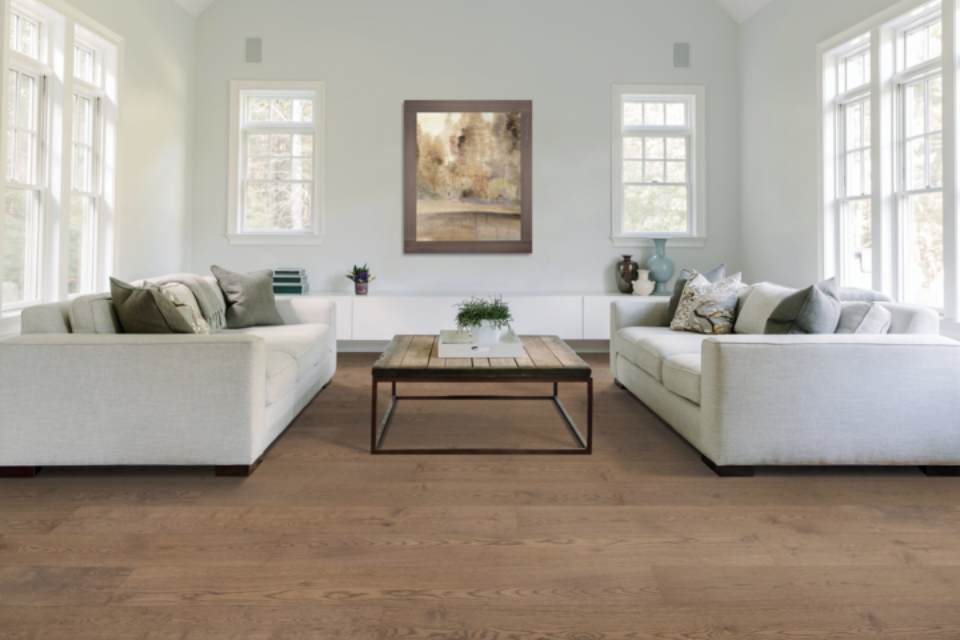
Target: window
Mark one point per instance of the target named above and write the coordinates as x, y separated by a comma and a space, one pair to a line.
25, 157
885, 220
854, 164
275, 187
657, 186
57, 217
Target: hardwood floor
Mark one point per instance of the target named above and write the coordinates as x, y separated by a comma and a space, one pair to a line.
640, 540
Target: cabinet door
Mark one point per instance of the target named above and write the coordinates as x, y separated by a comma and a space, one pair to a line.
596, 317
547, 315
383, 317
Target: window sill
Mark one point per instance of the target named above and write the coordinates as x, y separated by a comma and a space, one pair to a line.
681, 241
274, 239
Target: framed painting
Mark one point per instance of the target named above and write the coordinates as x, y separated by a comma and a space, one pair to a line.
467, 183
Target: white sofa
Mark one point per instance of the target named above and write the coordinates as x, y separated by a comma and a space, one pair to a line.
768, 400
70, 399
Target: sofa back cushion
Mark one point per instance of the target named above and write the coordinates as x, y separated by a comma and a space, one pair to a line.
757, 306
94, 314
905, 318
46, 318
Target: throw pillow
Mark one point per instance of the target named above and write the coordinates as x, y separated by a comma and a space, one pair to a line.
145, 309
250, 299
864, 318
714, 275
709, 307
759, 303
815, 309
186, 303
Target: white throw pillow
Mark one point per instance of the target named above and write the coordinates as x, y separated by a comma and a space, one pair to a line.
760, 302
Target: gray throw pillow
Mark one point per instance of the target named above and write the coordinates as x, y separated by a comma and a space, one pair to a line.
865, 318
713, 277
146, 309
250, 299
815, 309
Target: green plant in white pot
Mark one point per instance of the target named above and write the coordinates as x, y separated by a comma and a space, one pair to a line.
485, 318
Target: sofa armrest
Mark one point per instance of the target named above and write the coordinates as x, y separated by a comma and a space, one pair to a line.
131, 399
831, 399
307, 310
638, 311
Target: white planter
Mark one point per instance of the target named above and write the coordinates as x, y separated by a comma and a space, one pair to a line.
486, 333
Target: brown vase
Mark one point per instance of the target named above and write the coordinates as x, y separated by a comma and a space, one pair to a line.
627, 273
361, 288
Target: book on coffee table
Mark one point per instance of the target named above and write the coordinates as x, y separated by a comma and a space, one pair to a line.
460, 344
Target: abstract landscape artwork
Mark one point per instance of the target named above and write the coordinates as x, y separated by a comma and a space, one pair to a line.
467, 182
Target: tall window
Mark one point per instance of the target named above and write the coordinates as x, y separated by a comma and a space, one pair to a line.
919, 161
276, 183
884, 217
854, 163
26, 159
61, 95
657, 154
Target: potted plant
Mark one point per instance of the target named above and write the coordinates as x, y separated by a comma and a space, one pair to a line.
361, 277
485, 318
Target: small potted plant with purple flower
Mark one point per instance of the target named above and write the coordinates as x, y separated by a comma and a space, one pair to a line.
361, 277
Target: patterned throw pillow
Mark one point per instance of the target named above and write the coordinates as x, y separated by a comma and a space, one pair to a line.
709, 308
186, 303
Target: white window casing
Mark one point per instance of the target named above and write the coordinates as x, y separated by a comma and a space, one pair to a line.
279, 169
647, 157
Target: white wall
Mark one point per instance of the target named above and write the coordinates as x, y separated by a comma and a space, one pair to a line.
373, 54
780, 144
155, 132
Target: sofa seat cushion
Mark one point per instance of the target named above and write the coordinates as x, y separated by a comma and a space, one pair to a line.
681, 375
308, 344
647, 347
282, 375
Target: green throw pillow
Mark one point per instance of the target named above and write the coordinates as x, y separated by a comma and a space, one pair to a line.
815, 309
146, 309
250, 299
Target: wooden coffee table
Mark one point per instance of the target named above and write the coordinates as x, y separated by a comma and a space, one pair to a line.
415, 359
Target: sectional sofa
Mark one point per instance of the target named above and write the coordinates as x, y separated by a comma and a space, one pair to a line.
107, 398
777, 400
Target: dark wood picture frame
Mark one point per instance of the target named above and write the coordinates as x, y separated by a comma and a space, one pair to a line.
410, 110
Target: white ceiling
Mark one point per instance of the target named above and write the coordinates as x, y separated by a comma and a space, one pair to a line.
741, 10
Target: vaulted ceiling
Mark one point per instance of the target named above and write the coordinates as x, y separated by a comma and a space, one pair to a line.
740, 9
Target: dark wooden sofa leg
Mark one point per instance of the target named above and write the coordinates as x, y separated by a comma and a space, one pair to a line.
728, 472
941, 471
19, 472
236, 470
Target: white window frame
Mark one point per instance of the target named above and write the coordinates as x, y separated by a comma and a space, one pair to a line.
886, 31
694, 96
60, 24
239, 89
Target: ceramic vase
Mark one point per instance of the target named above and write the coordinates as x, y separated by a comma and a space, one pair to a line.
661, 267
486, 333
627, 271
644, 286
361, 288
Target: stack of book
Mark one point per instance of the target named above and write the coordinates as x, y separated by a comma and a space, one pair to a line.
290, 280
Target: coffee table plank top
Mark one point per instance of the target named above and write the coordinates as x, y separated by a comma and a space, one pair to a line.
544, 357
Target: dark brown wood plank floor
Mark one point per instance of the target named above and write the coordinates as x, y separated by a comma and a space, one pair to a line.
324, 541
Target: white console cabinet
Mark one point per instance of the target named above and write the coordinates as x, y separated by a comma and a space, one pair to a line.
379, 317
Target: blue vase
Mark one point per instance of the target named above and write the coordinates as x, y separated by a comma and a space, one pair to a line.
661, 267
